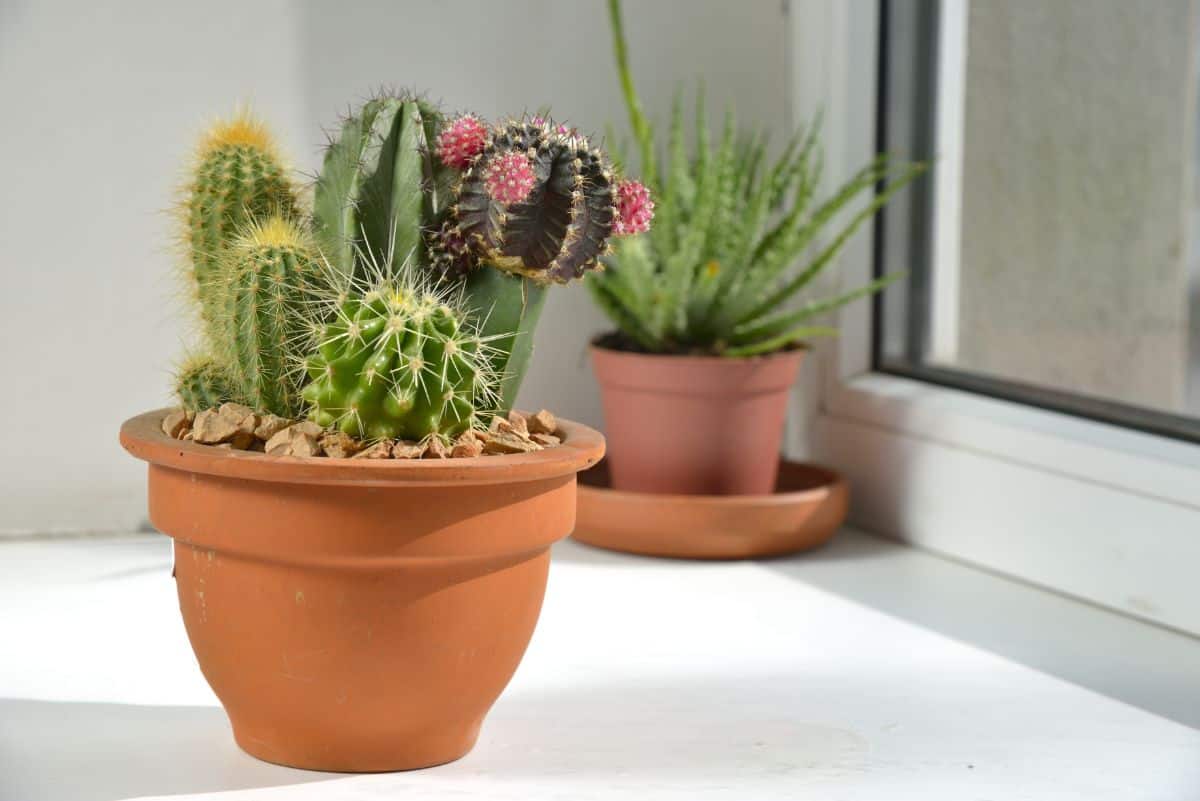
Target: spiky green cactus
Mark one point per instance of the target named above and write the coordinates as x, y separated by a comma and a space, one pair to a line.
380, 187
201, 384
237, 178
399, 361
266, 278
538, 201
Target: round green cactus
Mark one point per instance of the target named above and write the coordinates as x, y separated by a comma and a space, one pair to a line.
399, 361
266, 276
201, 384
238, 178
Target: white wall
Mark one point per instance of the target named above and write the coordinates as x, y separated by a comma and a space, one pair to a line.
101, 103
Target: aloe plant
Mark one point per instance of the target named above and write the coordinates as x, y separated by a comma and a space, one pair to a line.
736, 238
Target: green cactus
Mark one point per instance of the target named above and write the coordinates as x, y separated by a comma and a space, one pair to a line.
238, 178
380, 186
538, 201
201, 384
399, 360
267, 278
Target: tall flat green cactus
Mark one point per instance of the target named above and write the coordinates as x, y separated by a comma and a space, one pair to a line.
238, 178
380, 188
267, 275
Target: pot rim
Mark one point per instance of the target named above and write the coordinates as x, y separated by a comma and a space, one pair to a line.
791, 353
142, 437
833, 481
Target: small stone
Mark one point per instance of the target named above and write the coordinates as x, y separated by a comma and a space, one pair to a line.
467, 446
236, 410
503, 426
503, 442
279, 442
404, 449
176, 424
212, 428
293, 441
242, 440
517, 421
542, 423
380, 450
545, 440
435, 448
309, 427
270, 425
225, 446
339, 445
305, 445
241, 416
189, 436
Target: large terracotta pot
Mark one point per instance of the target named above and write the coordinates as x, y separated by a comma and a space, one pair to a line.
359, 615
694, 425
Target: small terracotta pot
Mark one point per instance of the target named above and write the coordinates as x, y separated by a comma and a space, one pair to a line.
358, 615
694, 425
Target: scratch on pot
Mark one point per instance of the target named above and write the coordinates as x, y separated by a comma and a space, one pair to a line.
290, 676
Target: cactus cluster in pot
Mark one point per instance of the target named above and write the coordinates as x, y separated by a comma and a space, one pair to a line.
355, 614
401, 301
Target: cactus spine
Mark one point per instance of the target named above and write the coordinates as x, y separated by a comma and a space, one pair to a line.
267, 275
202, 384
237, 178
399, 360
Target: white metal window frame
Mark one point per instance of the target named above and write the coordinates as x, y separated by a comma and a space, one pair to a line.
1097, 511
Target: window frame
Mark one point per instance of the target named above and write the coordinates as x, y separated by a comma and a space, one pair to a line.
1087, 508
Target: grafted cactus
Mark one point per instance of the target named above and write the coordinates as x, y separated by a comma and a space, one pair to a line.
399, 360
238, 178
266, 279
202, 384
537, 200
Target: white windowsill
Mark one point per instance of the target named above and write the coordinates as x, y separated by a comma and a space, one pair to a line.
865, 670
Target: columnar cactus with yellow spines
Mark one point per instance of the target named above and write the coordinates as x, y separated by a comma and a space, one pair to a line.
399, 360
237, 179
266, 277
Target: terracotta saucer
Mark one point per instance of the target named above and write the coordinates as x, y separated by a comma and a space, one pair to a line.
808, 505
